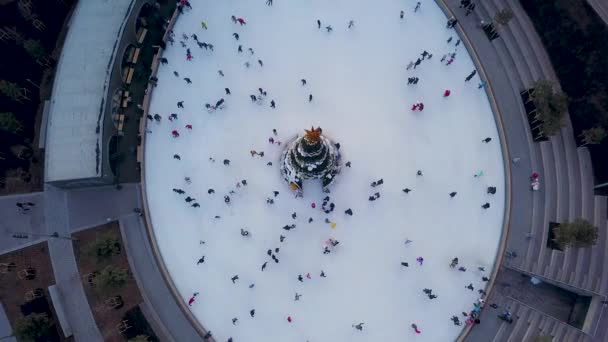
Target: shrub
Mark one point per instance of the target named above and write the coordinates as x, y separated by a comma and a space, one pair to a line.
580, 233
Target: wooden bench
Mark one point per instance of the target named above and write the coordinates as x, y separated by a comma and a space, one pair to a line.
129, 76
142, 36
121, 123
135, 56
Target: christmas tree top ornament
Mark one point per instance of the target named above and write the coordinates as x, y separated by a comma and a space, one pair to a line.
311, 156
313, 136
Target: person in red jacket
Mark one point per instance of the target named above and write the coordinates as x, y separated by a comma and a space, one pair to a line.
175, 133
446, 93
188, 126
191, 300
415, 106
241, 21
289, 319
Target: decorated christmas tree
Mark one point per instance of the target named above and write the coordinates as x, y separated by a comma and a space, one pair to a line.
312, 156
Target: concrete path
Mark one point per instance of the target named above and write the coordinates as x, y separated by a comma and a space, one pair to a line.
66, 273
94, 206
5, 327
13, 221
153, 287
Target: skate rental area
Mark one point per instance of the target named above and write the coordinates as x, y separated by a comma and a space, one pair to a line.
417, 176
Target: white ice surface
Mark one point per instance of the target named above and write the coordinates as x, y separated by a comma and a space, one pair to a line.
362, 100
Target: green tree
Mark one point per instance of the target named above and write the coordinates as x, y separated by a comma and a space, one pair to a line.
33, 327
13, 90
103, 249
9, 122
139, 338
594, 135
111, 278
551, 106
503, 16
34, 48
580, 233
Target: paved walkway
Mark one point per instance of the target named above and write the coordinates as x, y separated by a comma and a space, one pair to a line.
66, 212
14, 222
5, 327
66, 273
92, 207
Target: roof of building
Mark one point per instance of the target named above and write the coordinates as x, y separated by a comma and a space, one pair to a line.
75, 122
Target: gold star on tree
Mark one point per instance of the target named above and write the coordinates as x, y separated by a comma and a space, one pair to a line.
313, 135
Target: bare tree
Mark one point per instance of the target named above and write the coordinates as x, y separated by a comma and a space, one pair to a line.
9, 123
503, 16
8, 34
551, 105
593, 136
26, 9
13, 90
35, 49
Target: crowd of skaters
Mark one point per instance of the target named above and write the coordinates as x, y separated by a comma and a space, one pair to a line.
327, 206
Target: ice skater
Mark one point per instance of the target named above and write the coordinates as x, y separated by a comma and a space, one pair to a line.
487, 140
377, 183
358, 326
351, 24
318, 23
329, 28
235, 35
468, 78
401, 15
446, 93
415, 327
420, 260
192, 299
310, 98
417, 7
201, 260
454, 263
453, 194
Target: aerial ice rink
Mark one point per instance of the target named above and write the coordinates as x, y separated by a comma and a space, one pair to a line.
361, 99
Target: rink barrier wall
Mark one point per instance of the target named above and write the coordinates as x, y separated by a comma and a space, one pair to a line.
505, 153
144, 197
